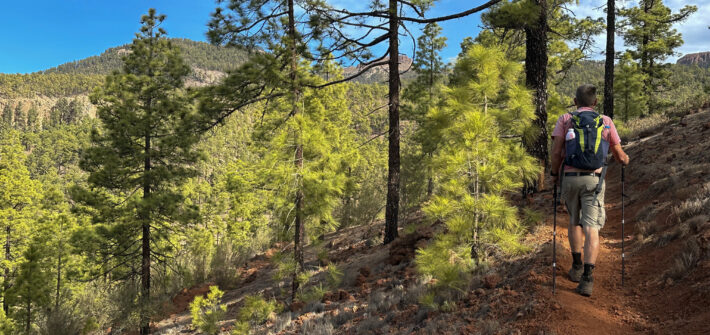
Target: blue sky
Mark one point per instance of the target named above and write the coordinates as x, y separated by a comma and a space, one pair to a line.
39, 34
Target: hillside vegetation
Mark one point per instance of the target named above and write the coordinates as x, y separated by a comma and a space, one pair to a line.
169, 186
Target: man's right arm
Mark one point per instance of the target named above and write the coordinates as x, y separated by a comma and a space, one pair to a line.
619, 154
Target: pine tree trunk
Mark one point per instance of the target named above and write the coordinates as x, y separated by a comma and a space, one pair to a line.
392, 208
28, 308
145, 266
59, 278
299, 229
645, 66
476, 218
6, 280
536, 79
609, 64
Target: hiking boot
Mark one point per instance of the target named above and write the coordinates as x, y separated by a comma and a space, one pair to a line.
575, 273
585, 286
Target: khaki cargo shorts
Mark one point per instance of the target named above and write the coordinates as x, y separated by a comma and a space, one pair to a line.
585, 208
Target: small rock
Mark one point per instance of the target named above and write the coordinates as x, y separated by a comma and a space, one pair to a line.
556, 307
669, 282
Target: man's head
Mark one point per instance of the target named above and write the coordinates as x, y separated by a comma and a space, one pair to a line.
586, 96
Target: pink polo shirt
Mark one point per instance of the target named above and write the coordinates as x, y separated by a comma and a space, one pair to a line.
564, 123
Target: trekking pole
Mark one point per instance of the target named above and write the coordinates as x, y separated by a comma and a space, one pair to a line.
554, 237
623, 194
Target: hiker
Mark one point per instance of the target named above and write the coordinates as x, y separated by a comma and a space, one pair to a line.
577, 144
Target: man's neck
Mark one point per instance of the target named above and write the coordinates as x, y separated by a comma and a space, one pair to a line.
585, 108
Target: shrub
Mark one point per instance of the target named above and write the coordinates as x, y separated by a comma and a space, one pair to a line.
257, 310
312, 294
207, 311
334, 276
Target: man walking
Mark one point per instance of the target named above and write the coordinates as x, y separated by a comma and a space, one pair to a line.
582, 140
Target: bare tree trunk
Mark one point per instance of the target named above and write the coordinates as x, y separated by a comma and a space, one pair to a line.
145, 240
609, 64
28, 308
8, 258
536, 79
645, 63
392, 210
59, 277
299, 229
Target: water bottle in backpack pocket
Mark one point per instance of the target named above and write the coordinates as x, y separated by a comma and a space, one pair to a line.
585, 147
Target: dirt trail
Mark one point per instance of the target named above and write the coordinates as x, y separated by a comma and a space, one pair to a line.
665, 171
611, 306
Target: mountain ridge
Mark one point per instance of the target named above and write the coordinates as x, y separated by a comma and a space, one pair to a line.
701, 59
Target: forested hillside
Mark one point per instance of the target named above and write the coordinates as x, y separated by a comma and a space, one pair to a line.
257, 185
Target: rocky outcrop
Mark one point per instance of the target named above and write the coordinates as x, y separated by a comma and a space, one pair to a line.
380, 73
701, 59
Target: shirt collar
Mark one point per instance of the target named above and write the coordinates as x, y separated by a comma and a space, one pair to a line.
585, 109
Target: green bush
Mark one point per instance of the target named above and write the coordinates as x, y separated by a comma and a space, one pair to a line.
256, 309
313, 294
207, 311
334, 276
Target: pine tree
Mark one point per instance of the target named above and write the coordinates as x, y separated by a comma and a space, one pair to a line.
143, 150
480, 160
56, 112
17, 195
19, 120
421, 96
32, 119
648, 28
32, 290
630, 98
321, 131
7, 114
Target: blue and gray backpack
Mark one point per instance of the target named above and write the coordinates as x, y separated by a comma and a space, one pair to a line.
588, 150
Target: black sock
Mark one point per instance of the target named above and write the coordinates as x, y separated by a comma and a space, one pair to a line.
588, 269
576, 258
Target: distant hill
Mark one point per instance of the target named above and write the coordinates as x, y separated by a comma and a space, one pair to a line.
701, 59
208, 62
197, 54
379, 74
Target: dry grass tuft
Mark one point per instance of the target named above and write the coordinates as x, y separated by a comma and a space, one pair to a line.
319, 326
685, 261
641, 127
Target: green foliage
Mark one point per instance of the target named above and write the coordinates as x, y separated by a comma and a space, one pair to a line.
630, 99
312, 294
142, 152
207, 311
477, 166
648, 28
32, 290
334, 276
256, 310
7, 325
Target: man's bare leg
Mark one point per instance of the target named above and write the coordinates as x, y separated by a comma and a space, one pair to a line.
576, 238
591, 245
